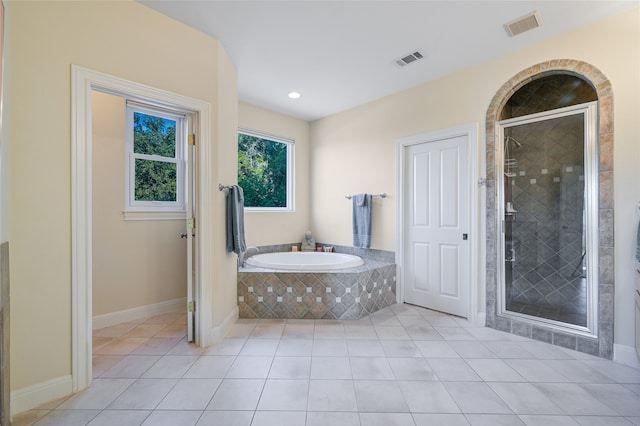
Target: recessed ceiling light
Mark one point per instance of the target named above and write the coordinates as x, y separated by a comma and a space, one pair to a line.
294, 95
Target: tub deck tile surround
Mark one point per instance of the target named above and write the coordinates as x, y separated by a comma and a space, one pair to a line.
335, 294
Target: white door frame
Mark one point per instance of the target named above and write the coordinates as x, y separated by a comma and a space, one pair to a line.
470, 132
83, 82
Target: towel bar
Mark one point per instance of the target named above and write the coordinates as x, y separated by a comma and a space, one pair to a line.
383, 195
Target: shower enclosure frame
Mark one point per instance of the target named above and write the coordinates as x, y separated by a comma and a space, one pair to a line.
589, 111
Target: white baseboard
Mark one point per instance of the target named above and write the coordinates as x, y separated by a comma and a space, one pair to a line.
113, 318
35, 395
218, 333
626, 355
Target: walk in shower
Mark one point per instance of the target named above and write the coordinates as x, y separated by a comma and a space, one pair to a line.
548, 192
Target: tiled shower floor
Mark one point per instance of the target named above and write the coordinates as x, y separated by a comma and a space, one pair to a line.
403, 366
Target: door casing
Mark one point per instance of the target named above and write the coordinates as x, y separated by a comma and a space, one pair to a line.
84, 81
476, 312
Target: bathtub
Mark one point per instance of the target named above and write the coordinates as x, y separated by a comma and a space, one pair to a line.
304, 261
315, 285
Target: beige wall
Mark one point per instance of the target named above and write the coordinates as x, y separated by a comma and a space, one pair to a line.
135, 262
224, 287
354, 151
265, 228
123, 39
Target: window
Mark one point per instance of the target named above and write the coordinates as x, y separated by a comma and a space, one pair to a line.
155, 151
265, 171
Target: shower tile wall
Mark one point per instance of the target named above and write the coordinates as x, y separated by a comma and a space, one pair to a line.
546, 265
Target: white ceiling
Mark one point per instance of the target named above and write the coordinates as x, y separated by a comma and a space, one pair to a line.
339, 54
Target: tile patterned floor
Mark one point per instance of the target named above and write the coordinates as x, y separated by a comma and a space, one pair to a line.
403, 366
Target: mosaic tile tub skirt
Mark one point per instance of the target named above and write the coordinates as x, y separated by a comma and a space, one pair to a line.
349, 294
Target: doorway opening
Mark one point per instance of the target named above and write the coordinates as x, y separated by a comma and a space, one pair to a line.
84, 82
574, 79
140, 205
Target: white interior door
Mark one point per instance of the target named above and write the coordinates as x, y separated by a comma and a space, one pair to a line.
190, 181
437, 219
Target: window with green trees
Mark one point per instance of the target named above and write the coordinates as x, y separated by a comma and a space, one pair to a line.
264, 171
155, 147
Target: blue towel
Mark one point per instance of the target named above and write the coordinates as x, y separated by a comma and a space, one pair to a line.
235, 220
362, 220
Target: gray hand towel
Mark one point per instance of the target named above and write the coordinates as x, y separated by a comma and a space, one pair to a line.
362, 220
235, 220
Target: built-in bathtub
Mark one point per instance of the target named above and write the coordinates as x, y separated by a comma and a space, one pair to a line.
304, 290
305, 261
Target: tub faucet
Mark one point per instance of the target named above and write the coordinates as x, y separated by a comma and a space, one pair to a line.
243, 255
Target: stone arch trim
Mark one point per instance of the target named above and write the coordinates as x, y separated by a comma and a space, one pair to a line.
603, 345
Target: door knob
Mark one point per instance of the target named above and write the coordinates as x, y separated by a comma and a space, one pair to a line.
183, 235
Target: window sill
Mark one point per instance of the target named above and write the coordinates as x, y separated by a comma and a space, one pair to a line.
154, 215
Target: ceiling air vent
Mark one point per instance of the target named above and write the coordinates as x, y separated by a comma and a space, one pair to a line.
524, 23
411, 57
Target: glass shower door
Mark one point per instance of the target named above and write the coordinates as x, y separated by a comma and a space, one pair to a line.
546, 192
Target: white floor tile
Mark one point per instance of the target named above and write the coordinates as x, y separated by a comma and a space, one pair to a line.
260, 347
131, 366
453, 370
371, 369
237, 394
327, 418
400, 348
226, 347
386, 419
331, 395
68, 418
427, 397
476, 397
365, 348
250, 367
574, 400
279, 418
284, 395
170, 367
411, 369
494, 420
172, 418
144, 394
98, 396
542, 420
440, 419
226, 418
336, 367
210, 367
436, 349
494, 370
120, 418
295, 347
190, 394
524, 398
599, 420
324, 347
379, 396
403, 365
290, 367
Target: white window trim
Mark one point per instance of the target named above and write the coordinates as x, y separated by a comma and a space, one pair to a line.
290, 143
154, 210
